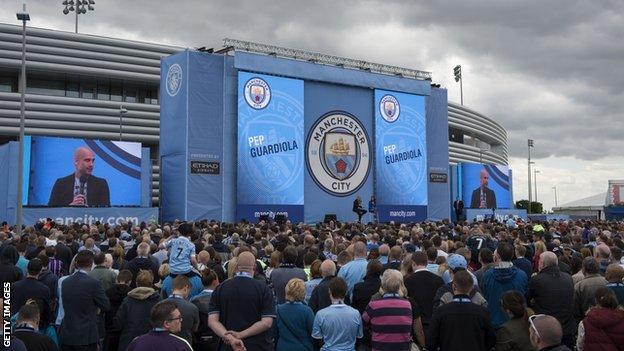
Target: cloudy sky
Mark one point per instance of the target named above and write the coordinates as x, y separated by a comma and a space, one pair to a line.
549, 70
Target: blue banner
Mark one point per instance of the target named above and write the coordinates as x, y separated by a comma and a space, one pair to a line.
401, 155
270, 145
485, 186
85, 215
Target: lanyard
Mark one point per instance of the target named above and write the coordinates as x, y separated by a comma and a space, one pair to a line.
390, 295
244, 274
461, 299
176, 296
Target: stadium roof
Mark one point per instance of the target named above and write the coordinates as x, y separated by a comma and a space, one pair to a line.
593, 201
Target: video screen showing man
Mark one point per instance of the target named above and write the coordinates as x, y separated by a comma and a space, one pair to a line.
81, 188
483, 196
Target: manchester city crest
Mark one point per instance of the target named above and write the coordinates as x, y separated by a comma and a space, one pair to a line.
389, 108
338, 153
257, 93
174, 80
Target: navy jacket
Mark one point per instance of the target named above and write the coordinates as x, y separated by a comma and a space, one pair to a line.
62, 194
82, 296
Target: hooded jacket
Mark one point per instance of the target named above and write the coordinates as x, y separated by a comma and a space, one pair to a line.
133, 314
604, 329
8, 259
498, 281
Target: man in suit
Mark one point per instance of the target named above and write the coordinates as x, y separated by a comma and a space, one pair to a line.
81, 188
31, 288
458, 205
483, 197
82, 298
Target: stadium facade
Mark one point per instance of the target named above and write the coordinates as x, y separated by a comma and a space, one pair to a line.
98, 87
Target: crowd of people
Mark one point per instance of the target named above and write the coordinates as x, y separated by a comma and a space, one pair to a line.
488, 285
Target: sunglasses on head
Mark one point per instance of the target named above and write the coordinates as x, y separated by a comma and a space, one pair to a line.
532, 322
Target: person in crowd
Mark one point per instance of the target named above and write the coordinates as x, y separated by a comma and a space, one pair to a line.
444, 294
182, 254
293, 328
394, 260
603, 326
190, 313
585, 290
102, 273
354, 271
242, 308
320, 297
468, 323
286, 271
432, 265
166, 321
132, 316
143, 260
63, 252
514, 334
545, 333
49, 279
602, 254
27, 326
522, 262
615, 281
501, 278
551, 292
315, 279
204, 338
337, 326
486, 260
9, 273
364, 290
390, 318
82, 298
22, 261
422, 286
116, 294
32, 289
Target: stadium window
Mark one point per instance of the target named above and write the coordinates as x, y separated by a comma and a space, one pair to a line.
72, 87
45, 86
103, 89
116, 90
8, 82
130, 94
88, 87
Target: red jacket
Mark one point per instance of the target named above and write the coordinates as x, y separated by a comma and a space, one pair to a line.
604, 330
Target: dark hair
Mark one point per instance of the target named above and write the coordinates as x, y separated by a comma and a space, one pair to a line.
21, 247
514, 302
84, 259
99, 258
309, 257
590, 266
161, 312
432, 253
186, 229
505, 251
462, 280
606, 298
486, 255
337, 288
420, 258
208, 276
44, 260
34, 266
30, 311
124, 276
289, 255
374, 268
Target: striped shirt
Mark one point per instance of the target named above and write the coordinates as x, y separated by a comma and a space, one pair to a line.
390, 320
56, 267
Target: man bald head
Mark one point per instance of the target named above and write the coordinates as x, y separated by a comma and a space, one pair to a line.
328, 268
545, 331
84, 160
547, 259
484, 178
246, 262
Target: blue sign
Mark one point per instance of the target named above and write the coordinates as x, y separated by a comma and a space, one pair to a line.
270, 145
85, 215
401, 156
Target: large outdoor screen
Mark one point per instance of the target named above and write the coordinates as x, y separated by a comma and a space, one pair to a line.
83, 172
485, 186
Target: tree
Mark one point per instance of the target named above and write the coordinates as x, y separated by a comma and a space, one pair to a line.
536, 207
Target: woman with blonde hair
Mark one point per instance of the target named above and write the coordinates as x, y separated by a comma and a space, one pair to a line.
293, 330
540, 248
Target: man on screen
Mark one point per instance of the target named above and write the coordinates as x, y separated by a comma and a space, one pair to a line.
483, 197
81, 188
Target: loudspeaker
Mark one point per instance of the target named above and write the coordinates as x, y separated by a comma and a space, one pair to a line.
264, 218
280, 219
330, 217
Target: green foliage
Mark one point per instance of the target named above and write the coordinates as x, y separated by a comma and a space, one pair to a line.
536, 207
